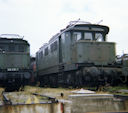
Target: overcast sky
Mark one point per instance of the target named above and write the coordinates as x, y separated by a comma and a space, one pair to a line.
39, 20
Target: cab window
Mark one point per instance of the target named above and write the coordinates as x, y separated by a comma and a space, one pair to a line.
76, 36
21, 48
2, 48
53, 46
88, 36
46, 51
98, 37
11, 48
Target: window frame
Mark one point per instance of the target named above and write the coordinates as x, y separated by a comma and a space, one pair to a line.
46, 51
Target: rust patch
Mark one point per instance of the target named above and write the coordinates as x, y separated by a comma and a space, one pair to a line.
32, 108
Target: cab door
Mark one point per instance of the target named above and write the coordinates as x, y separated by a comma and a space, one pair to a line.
60, 50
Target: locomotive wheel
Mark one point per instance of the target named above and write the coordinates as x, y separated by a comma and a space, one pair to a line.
112, 80
72, 79
87, 80
53, 80
78, 79
69, 80
46, 80
41, 83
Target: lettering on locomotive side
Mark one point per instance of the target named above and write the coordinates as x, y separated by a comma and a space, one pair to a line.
13, 69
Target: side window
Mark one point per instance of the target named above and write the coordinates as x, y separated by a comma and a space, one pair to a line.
63, 36
87, 36
66, 34
53, 46
98, 37
41, 54
21, 48
37, 56
46, 51
76, 36
11, 48
2, 48
27, 49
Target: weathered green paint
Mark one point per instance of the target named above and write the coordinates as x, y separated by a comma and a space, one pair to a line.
14, 53
71, 50
125, 60
14, 60
99, 53
66, 47
50, 60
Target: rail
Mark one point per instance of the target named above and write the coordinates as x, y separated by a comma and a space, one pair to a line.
6, 100
53, 99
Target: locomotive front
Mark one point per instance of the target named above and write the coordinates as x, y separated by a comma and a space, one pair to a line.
14, 62
93, 55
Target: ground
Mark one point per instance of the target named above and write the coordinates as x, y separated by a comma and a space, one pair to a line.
58, 93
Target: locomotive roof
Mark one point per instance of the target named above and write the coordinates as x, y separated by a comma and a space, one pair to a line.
81, 26
84, 26
43, 46
78, 25
10, 36
106, 28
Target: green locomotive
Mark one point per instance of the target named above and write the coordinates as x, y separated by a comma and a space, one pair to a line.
78, 55
123, 60
14, 61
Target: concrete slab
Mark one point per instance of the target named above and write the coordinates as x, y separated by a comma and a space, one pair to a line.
83, 91
82, 103
92, 96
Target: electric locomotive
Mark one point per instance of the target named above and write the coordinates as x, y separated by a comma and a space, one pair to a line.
78, 55
123, 60
14, 61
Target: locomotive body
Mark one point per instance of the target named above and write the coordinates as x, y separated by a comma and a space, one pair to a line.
123, 60
14, 62
78, 55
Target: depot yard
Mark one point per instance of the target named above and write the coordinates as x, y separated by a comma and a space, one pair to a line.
74, 99
63, 93
56, 92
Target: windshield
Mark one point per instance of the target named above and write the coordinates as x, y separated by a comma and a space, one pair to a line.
14, 48
76, 36
89, 36
98, 37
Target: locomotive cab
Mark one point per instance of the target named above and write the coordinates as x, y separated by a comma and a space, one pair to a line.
88, 45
